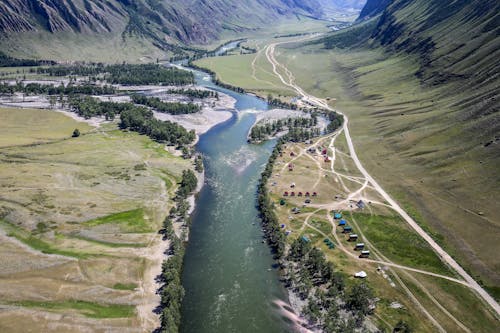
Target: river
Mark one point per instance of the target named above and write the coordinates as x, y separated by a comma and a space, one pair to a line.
228, 274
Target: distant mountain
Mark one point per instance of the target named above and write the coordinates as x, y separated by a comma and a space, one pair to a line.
164, 21
373, 8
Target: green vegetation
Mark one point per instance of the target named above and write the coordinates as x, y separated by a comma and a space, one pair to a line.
391, 236
35, 126
126, 74
299, 129
88, 309
50, 89
195, 93
131, 221
125, 286
37, 243
165, 107
6, 61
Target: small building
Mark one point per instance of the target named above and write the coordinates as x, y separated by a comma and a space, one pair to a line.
307, 201
337, 216
342, 222
315, 194
353, 237
347, 229
360, 204
299, 194
292, 185
285, 194
307, 194
359, 246
364, 254
327, 159
282, 202
290, 167
324, 151
292, 154
295, 210
292, 194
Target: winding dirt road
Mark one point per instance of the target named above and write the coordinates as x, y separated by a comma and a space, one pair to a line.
445, 257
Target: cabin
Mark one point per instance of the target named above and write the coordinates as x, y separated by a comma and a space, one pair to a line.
337, 216
342, 222
285, 194
295, 210
364, 254
307, 194
292, 194
315, 194
282, 202
292, 154
299, 194
353, 237
359, 246
324, 151
360, 204
307, 201
347, 229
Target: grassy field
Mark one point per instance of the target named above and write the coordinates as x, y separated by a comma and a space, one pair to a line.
388, 238
80, 214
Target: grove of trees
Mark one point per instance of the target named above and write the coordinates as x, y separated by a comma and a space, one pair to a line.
165, 107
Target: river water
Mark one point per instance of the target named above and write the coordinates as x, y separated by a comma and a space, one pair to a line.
228, 274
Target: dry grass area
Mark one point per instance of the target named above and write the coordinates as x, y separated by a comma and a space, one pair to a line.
78, 224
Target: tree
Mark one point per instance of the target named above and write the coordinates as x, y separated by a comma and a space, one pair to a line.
402, 327
76, 133
359, 298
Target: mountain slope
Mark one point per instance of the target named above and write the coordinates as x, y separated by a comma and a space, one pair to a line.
423, 75
189, 21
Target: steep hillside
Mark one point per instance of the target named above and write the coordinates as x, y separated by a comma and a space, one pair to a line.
373, 8
161, 23
421, 80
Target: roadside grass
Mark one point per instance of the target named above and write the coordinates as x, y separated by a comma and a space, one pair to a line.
391, 236
462, 303
131, 221
88, 309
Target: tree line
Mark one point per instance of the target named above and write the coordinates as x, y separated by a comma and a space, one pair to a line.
126, 74
8, 61
50, 89
171, 291
135, 118
165, 107
299, 129
195, 93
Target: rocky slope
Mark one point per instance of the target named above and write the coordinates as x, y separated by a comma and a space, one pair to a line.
189, 21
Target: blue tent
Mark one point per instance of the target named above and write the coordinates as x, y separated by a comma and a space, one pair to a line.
342, 222
337, 216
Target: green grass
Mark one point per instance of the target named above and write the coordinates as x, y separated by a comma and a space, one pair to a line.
29, 126
88, 309
132, 221
37, 243
391, 236
125, 286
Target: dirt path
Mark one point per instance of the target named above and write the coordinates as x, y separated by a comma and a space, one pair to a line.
445, 257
